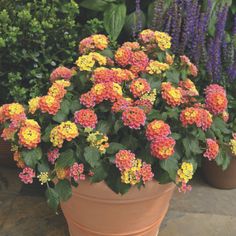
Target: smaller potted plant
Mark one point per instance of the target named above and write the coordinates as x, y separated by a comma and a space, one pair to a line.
114, 134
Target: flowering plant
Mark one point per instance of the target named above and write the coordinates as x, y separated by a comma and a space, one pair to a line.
124, 117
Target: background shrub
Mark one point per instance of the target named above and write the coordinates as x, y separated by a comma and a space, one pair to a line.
35, 37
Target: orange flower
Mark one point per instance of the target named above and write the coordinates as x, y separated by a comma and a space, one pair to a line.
18, 159
49, 104
61, 72
33, 105
216, 102
86, 117
139, 87
139, 62
13, 111
57, 91
156, 129
123, 56
29, 137
133, 117
162, 147
173, 96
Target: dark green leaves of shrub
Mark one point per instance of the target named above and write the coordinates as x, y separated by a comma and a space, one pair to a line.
31, 157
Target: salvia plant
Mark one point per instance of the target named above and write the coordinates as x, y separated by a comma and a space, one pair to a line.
125, 116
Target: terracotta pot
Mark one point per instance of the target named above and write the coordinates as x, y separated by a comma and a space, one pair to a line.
6, 154
216, 177
95, 210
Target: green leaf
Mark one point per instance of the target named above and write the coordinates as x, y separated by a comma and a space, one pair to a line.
95, 5
173, 76
130, 142
219, 124
92, 156
154, 114
31, 157
75, 106
114, 19
103, 126
46, 135
52, 198
118, 125
107, 52
65, 106
100, 173
170, 165
66, 159
60, 117
132, 21
63, 189
114, 148
176, 136
43, 166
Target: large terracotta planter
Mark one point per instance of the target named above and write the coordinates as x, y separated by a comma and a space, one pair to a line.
94, 210
216, 177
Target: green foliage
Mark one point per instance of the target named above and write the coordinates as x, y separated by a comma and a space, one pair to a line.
53, 198
66, 159
114, 19
35, 37
92, 156
63, 189
31, 157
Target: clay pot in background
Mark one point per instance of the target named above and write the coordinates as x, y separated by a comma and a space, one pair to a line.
6, 157
95, 210
216, 177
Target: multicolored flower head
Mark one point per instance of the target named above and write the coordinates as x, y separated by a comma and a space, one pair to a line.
139, 87
43, 177
61, 72
157, 128
86, 118
134, 117
216, 100
49, 104
92, 43
124, 159
173, 96
212, 149
98, 140
29, 137
162, 147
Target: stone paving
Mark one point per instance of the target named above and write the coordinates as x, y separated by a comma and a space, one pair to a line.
203, 212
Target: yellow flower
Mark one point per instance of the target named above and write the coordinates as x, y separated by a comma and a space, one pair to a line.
131, 176
163, 40
117, 88
156, 67
68, 130
150, 96
99, 58
98, 140
85, 63
185, 173
33, 105
63, 82
232, 144
61, 173
55, 138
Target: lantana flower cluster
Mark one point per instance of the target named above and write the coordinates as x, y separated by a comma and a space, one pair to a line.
125, 116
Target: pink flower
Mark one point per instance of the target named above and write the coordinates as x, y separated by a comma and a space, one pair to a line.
27, 175
184, 188
124, 160
146, 172
76, 172
212, 149
53, 154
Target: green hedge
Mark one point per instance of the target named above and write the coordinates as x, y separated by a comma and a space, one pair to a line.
35, 37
